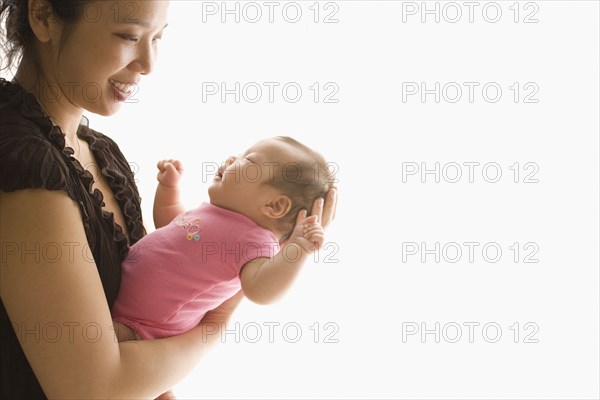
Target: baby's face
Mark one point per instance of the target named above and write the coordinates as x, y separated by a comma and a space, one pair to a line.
241, 183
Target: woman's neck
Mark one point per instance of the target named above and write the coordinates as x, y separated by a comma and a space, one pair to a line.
55, 103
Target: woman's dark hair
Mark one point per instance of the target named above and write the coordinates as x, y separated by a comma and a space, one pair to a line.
16, 36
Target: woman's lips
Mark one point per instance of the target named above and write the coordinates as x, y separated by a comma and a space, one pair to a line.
122, 90
123, 87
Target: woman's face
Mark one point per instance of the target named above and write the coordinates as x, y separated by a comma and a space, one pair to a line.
107, 52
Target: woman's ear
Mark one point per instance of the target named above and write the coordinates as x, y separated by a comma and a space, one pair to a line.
42, 21
277, 207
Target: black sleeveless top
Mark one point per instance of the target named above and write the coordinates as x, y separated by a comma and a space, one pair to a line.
33, 155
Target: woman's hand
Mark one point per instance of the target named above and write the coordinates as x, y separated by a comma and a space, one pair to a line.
325, 209
222, 314
215, 320
167, 396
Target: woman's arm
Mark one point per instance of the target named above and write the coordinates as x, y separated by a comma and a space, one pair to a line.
57, 305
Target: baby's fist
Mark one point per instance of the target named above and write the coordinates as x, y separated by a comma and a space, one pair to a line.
308, 232
169, 172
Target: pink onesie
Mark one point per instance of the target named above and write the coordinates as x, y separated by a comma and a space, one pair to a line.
174, 275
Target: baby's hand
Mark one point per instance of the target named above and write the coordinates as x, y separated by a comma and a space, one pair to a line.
169, 172
308, 232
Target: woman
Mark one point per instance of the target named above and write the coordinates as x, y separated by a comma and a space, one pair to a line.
66, 228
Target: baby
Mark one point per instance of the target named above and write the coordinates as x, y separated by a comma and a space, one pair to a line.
254, 234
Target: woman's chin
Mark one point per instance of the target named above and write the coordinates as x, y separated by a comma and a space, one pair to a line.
105, 110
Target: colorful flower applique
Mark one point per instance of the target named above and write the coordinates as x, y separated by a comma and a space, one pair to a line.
191, 226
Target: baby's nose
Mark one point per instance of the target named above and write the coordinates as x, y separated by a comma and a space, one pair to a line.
230, 160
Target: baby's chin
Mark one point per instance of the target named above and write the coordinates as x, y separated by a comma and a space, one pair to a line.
213, 198
217, 202
211, 195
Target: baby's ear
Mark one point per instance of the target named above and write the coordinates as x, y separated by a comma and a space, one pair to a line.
277, 207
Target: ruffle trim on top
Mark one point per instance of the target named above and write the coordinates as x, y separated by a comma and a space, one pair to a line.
123, 187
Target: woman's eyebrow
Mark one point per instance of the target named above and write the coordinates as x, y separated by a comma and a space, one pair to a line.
138, 22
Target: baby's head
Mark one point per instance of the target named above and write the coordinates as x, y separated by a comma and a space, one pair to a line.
271, 182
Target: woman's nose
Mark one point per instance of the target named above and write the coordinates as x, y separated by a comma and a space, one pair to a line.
144, 61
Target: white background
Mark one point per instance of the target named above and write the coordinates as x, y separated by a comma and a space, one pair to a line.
367, 293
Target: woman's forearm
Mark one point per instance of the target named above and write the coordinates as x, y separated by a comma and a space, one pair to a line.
174, 357
83, 360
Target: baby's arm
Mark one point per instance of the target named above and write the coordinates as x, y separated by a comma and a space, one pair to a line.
264, 280
166, 199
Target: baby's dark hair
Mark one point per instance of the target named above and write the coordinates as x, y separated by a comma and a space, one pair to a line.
16, 35
303, 181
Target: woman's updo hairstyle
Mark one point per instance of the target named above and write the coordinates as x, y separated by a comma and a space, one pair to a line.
16, 36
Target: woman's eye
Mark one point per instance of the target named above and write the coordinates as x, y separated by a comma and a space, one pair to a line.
130, 38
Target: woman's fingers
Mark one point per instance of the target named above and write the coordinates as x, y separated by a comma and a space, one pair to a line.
317, 208
167, 396
223, 313
332, 204
326, 209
